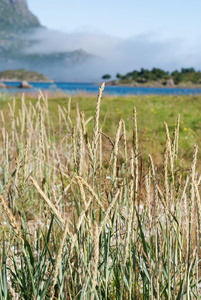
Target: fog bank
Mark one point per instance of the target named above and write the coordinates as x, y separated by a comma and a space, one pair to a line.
111, 54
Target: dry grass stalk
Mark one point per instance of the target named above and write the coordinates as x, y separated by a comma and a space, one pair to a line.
12, 112
49, 203
79, 223
23, 116
168, 143
11, 219
42, 143
100, 153
185, 188
125, 142
135, 146
132, 175
74, 148
108, 210
198, 203
193, 164
197, 255
192, 181
177, 138
64, 118
166, 175
115, 150
130, 209
6, 157
128, 234
77, 116
155, 187
83, 124
96, 123
91, 190
69, 110
82, 215
148, 199
80, 153
82, 193
95, 259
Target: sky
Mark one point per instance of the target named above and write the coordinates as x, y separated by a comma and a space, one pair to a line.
125, 34
122, 18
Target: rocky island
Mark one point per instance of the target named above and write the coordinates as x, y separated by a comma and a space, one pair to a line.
23, 76
186, 77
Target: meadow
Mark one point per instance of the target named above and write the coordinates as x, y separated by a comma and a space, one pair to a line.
99, 198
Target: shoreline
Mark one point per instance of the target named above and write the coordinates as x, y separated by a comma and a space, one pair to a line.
181, 86
111, 89
109, 84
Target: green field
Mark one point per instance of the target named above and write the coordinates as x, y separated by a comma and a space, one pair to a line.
152, 111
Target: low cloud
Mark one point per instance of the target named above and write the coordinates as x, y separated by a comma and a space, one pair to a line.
112, 54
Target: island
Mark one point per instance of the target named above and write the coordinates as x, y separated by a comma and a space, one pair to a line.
21, 75
186, 77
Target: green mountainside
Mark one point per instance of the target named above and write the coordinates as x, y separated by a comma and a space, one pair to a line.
15, 15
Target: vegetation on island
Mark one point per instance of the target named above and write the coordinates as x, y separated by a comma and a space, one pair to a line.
156, 76
21, 74
86, 212
106, 76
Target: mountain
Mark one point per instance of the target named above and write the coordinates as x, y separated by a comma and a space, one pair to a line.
15, 15
17, 28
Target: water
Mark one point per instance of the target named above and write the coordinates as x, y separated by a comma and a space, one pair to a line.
73, 88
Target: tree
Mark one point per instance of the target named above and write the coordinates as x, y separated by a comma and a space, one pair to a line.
118, 76
159, 74
187, 70
106, 76
177, 76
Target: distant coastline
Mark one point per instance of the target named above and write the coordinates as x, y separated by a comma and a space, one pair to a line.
157, 78
184, 85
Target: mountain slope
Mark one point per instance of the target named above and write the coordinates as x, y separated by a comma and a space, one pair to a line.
15, 15
17, 25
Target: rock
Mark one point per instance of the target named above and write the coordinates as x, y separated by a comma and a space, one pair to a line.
25, 85
170, 82
2, 85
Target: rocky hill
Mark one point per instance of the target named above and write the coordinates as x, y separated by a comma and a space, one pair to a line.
15, 15
17, 25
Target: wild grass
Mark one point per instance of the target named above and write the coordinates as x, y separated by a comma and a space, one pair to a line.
152, 110
81, 220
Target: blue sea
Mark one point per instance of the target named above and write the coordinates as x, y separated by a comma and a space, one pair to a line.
74, 88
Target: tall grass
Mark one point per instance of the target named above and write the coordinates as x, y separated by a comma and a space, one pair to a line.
79, 222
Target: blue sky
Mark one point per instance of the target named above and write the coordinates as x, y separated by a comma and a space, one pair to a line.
123, 18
